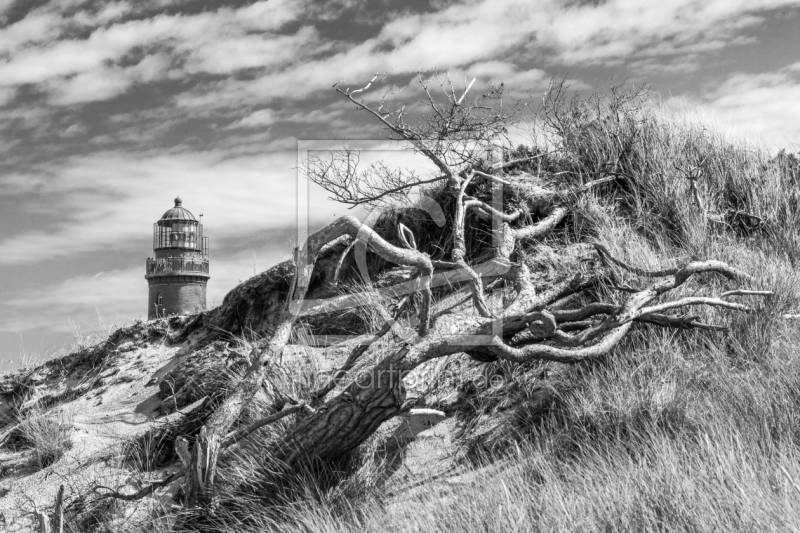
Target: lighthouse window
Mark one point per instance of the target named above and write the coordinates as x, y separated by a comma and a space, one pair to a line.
160, 299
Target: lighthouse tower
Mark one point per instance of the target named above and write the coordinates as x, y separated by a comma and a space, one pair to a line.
177, 273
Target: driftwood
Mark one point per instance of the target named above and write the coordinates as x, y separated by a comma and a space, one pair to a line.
54, 523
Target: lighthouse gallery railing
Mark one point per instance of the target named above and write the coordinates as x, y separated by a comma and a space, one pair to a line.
176, 265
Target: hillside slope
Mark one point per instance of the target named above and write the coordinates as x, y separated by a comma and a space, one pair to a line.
684, 417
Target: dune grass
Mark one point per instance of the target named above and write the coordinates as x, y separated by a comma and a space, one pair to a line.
47, 435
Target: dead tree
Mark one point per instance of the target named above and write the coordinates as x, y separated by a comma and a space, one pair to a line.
566, 320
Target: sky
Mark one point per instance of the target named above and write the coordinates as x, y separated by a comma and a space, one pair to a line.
108, 110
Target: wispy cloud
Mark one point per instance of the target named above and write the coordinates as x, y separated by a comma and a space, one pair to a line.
262, 117
764, 104
118, 53
107, 200
77, 300
114, 57
509, 34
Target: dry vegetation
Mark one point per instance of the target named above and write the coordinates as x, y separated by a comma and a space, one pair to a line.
47, 435
638, 388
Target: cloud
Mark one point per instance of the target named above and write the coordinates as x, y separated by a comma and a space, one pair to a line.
765, 104
330, 116
619, 29
96, 67
105, 83
260, 118
102, 299
294, 64
230, 52
37, 27
7, 94
74, 130
108, 200
504, 35
80, 300
486, 73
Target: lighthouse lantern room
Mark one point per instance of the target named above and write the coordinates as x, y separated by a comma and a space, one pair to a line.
177, 272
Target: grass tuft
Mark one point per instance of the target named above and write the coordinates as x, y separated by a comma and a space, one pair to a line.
48, 435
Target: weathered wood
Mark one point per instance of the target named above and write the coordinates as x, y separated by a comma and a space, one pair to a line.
44, 521
459, 251
58, 513
347, 420
199, 482
492, 268
54, 523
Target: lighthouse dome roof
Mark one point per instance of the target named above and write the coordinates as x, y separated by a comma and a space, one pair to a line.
178, 212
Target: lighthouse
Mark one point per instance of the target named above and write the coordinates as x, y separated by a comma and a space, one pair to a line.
177, 272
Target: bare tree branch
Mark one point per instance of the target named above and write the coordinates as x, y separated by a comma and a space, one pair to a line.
460, 251
403, 132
